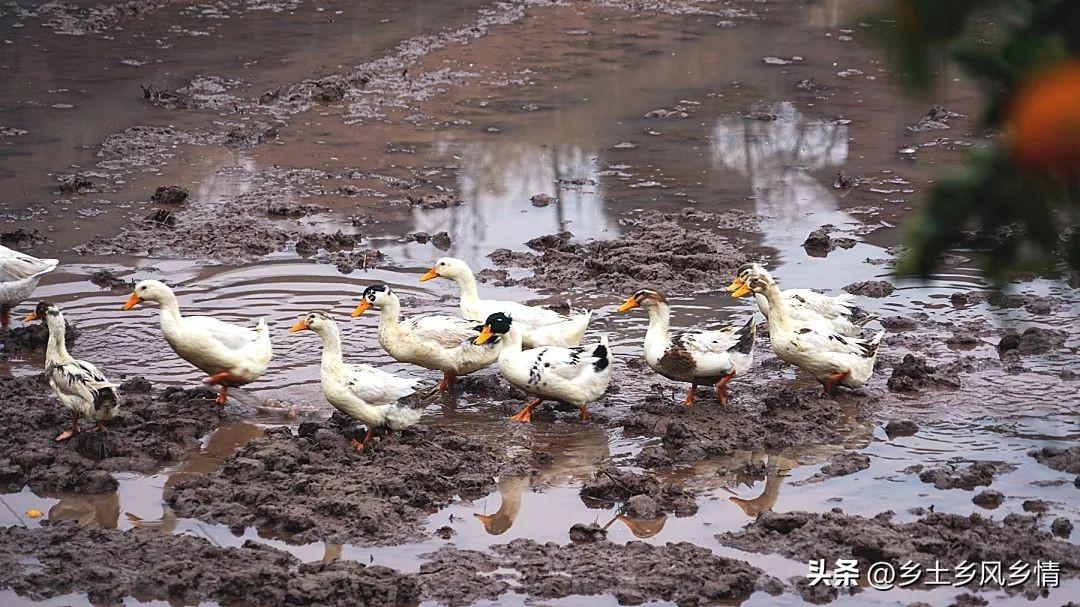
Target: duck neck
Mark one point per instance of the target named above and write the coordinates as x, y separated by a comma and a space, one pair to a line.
170, 309
778, 313
511, 343
470, 295
331, 356
56, 350
390, 319
659, 324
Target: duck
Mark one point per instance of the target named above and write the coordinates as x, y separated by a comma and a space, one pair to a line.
839, 311
812, 345
369, 395
229, 354
694, 357
577, 376
538, 326
437, 342
79, 385
19, 276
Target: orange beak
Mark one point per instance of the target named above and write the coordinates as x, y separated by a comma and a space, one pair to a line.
429, 275
629, 304
30, 317
132, 301
360, 309
735, 284
299, 326
485, 335
741, 291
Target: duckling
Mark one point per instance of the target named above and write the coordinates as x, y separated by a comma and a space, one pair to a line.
362, 392
230, 355
704, 357
19, 276
442, 343
840, 312
577, 376
812, 345
538, 326
78, 384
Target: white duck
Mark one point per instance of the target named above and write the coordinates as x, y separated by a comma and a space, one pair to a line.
701, 357
19, 276
832, 358
362, 392
577, 376
839, 312
442, 343
78, 384
538, 326
230, 355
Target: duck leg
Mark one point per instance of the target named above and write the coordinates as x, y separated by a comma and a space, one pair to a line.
689, 400
5, 316
584, 412
63, 436
525, 415
219, 379
832, 381
447, 381
100, 427
721, 388
360, 444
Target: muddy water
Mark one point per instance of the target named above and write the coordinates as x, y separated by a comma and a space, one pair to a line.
495, 146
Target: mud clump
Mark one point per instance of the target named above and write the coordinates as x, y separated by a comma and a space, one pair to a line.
170, 194
644, 495
989, 499
542, 200
316, 486
978, 474
936, 119
587, 534
1064, 460
21, 238
770, 417
110, 565
674, 252
157, 428
819, 243
901, 427
74, 184
1061, 527
842, 465
441, 241
1034, 340
870, 288
937, 537
441, 200
29, 338
913, 374
108, 280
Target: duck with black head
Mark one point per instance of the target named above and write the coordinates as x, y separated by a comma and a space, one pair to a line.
577, 376
694, 357
79, 385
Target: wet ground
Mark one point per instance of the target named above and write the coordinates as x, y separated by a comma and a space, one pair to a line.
571, 153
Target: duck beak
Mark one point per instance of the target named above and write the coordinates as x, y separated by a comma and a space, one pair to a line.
360, 309
485, 335
429, 275
30, 317
735, 284
132, 301
299, 326
741, 291
629, 304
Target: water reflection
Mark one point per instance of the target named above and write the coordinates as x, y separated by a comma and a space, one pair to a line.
496, 181
776, 470
776, 157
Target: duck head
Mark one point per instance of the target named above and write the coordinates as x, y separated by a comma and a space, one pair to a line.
319, 322
645, 298
148, 290
496, 324
376, 296
447, 267
42, 312
753, 282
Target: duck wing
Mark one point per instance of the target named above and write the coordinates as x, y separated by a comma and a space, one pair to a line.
230, 336
821, 339
18, 266
446, 331
377, 387
82, 379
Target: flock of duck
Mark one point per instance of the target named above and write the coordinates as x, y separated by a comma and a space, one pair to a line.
536, 349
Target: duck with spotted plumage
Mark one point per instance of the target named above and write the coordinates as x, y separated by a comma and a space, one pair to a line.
577, 376
79, 385
694, 357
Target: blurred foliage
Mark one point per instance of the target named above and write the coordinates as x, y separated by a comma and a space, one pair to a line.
1017, 199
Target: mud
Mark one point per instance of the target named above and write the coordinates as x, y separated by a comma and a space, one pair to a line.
948, 538
155, 429
636, 572
842, 464
769, 417
28, 338
976, 474
870, 288
988, 499
170, 194
21, 238
819, 243
673, 252
1034, 340
109, 280
936, 119
643, 495
1065, 460
110, 565
316, 486
913, 374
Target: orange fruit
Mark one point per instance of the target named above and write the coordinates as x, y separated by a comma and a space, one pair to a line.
1044, 121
